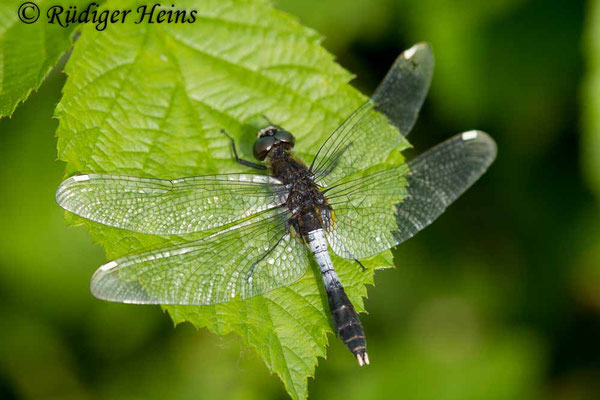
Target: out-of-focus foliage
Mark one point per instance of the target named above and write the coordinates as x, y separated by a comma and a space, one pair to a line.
497, 299
586, 277
591, 100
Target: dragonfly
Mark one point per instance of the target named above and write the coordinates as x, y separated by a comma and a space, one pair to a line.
264, 228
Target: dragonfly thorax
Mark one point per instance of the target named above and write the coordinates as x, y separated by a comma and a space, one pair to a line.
304, 199
303, 196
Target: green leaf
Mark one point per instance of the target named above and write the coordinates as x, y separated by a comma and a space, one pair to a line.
591, 104
150, 100
27, 52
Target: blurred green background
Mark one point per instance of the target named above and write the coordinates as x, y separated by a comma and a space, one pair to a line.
499, 299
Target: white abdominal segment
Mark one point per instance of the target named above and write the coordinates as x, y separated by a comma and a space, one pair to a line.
318, 246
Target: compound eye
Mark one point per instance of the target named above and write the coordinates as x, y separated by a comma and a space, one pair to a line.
286, 137
262, 146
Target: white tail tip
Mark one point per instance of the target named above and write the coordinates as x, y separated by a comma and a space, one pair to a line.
363, 359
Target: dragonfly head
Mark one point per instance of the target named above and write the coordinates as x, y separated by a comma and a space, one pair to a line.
270, 137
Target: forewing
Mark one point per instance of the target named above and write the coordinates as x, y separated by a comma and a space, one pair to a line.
378, 211
402, 92
375, 129
233, 263
169, 207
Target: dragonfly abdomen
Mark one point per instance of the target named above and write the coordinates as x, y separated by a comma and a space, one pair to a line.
345, 318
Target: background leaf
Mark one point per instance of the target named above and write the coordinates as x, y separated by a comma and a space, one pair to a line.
591, 100
150, 99
27, 51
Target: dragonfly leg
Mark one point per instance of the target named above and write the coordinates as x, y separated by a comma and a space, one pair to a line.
241, 160
361, 265
255, 263
268, 120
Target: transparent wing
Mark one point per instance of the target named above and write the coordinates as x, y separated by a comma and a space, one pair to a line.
364, 213
378, 211
402, 92
168, 207
246, 260
368, 136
